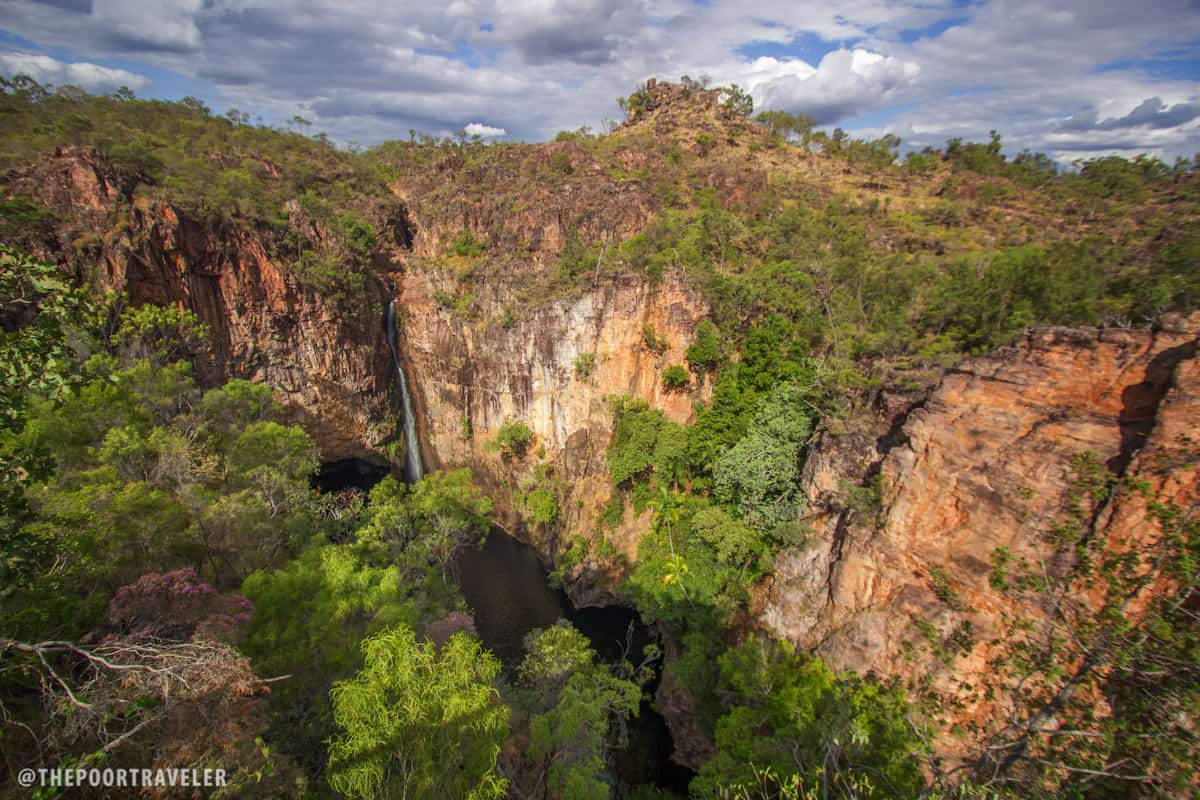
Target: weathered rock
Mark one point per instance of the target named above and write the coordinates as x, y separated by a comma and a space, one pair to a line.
984, 463
326, 359
470, 377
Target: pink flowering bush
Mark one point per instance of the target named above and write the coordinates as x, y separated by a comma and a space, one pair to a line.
178, 605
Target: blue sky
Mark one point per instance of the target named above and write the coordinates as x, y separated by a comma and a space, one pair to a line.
1075, 79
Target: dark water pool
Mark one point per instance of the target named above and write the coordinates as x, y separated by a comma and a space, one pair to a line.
505, 585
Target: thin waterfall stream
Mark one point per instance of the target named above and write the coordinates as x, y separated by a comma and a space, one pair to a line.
413, 469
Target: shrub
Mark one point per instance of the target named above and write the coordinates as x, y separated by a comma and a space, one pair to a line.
654, 343
704, 353
466, 245
541, 506
512, 440
675, 378
584, 363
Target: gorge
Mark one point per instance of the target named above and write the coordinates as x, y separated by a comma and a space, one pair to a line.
726, 390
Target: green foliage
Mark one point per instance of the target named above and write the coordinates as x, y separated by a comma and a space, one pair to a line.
419, 721
982, 305
310, 614
24, 222
40, 315
137, 471
181, 152
579, 712
737, 100
864, 500
160, 334
513, 439
576, 261
460, 303
704, 353
357, 237
614, 511
584, 363
785, 125
984, 159
675, 378
760, 475
841, 735
645, 445
998, 578
942, 588
636, 103
466, 245
541, 505
654, 343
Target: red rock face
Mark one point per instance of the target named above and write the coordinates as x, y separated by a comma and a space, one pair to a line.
985, 463
327, 361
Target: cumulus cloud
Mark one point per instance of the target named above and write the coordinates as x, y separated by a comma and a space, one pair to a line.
47, 70
844, 84
486, 131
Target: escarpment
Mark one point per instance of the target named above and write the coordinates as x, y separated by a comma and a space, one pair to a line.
511, 313
324, 354
552, 369
984, 466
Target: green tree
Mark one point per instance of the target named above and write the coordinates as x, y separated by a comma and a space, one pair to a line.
581, 708
840, 735
737, 100
419, 722
760, 475
38, 312
512, 439
452, 513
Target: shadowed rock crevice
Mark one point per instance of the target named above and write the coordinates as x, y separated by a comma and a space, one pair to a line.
1140, 402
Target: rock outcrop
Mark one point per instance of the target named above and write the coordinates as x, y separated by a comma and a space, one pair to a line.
326, 358
984, 463
552, 368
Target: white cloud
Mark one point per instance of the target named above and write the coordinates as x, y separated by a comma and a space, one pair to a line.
486, 131
844, 84
47, 70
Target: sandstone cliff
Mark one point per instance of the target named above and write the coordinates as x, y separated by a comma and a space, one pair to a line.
326, 358
471, 376
983, 463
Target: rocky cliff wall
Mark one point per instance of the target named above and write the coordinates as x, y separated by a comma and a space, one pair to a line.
985, 462
326, 358
470, 376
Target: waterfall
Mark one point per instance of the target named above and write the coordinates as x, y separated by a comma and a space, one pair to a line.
412, 460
